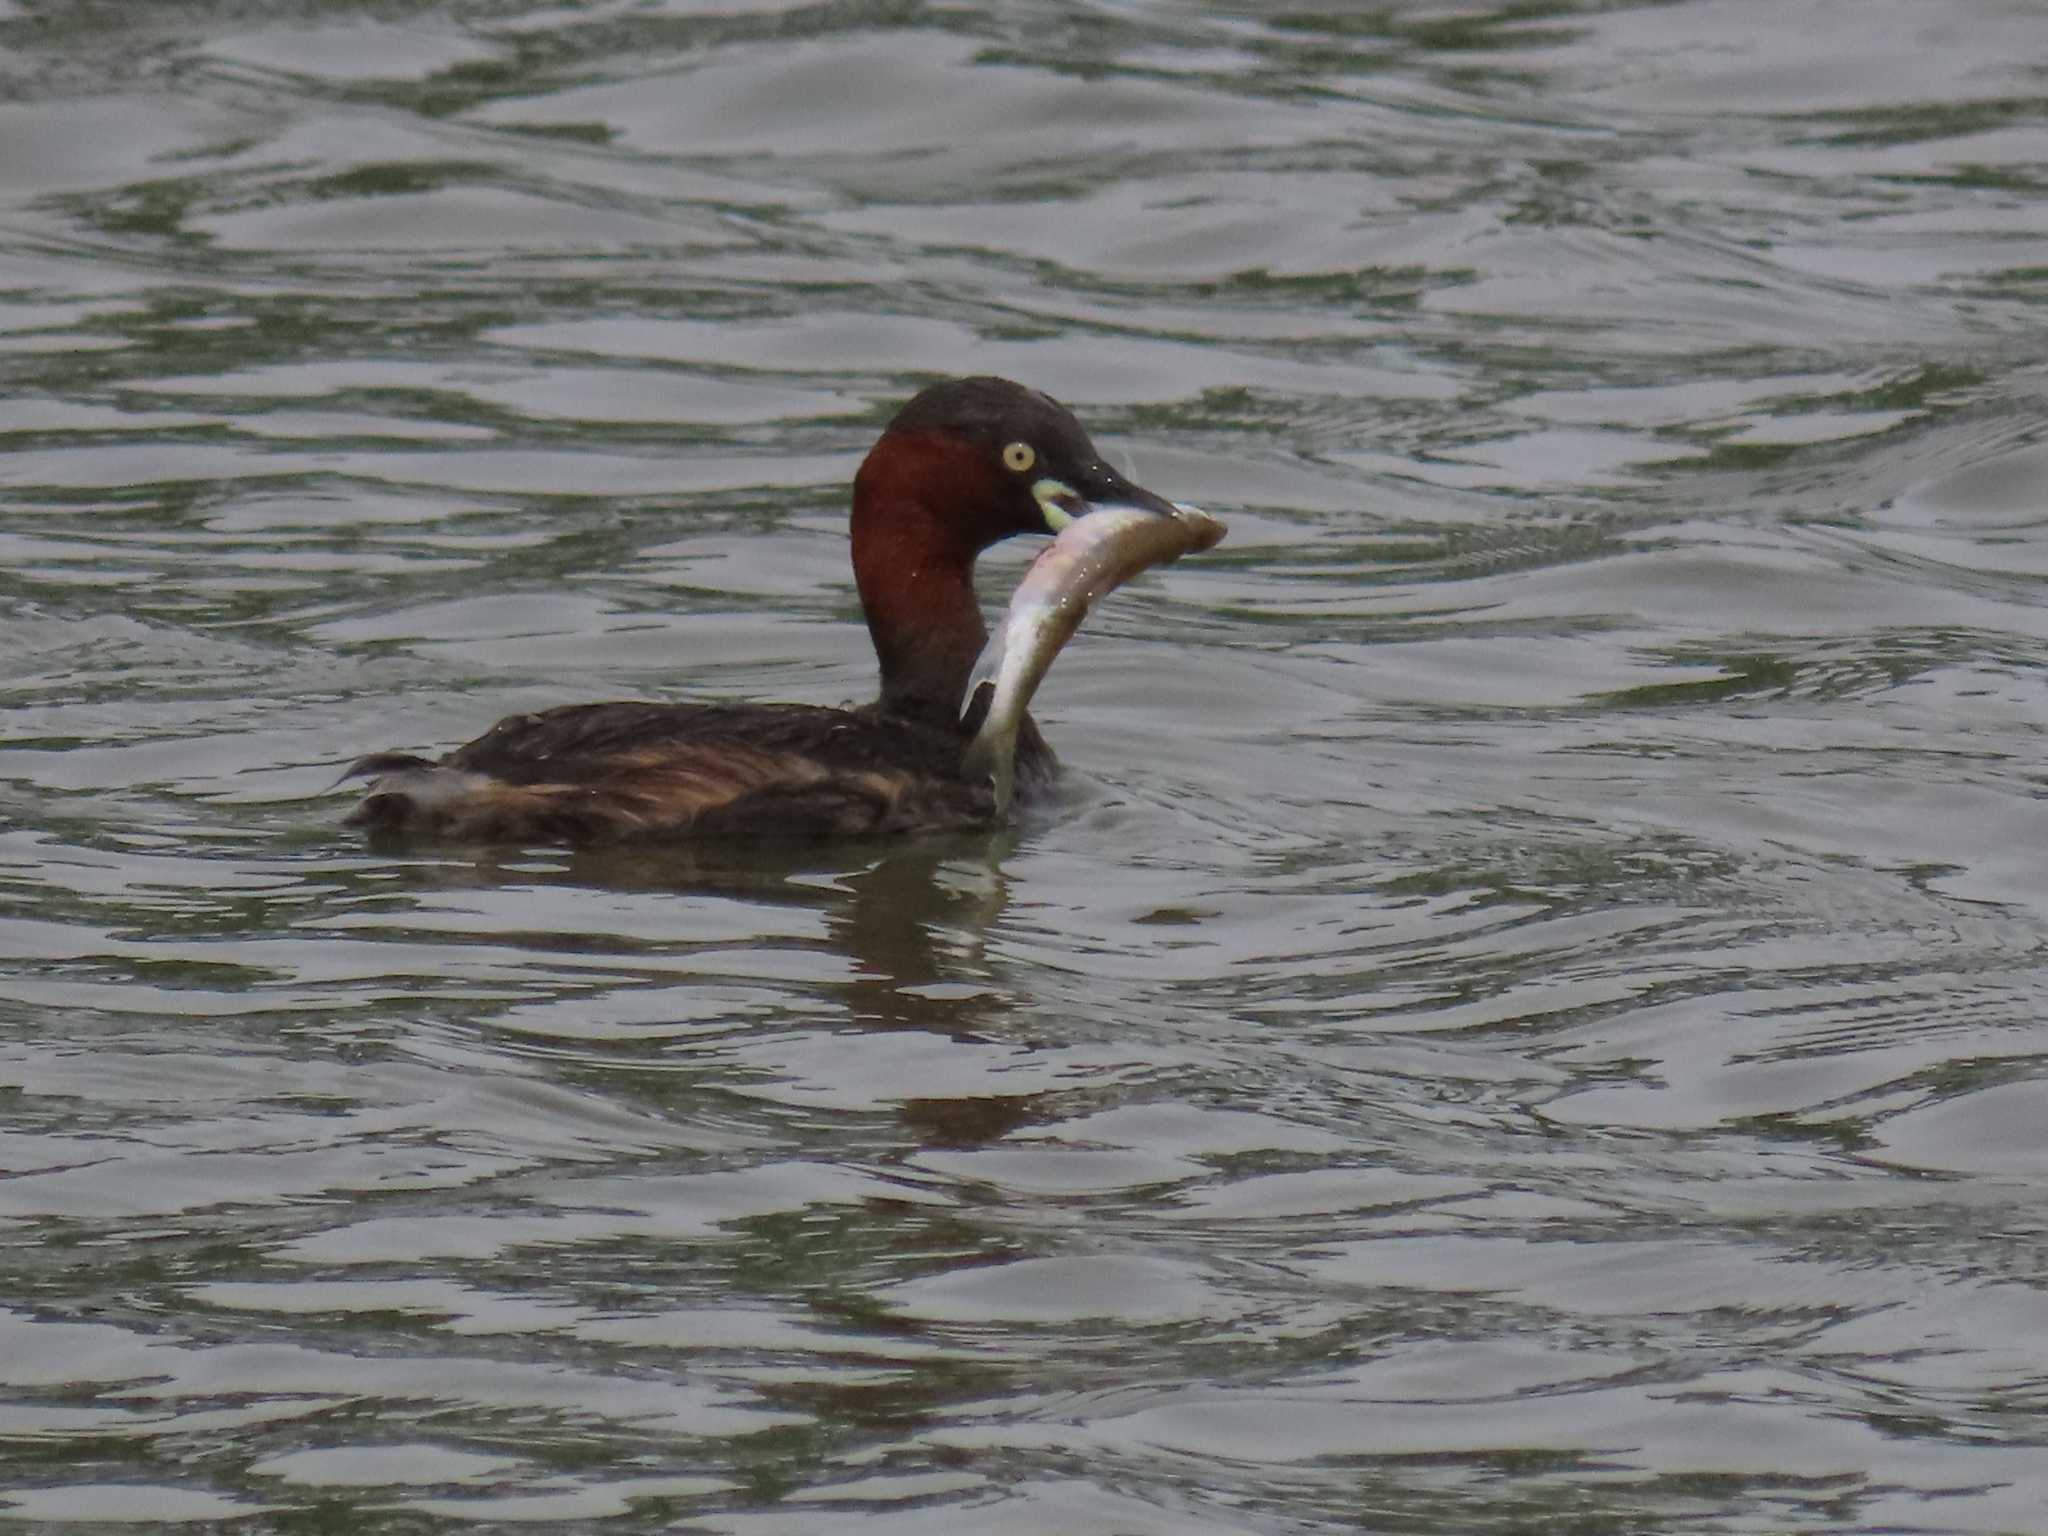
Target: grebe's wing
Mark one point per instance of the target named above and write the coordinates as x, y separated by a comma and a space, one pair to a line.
614, 772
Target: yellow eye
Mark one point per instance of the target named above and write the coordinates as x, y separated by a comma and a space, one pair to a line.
1019, 457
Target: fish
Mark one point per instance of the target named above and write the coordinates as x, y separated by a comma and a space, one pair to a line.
1093, 555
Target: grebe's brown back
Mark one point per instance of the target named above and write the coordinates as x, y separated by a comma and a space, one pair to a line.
962, 466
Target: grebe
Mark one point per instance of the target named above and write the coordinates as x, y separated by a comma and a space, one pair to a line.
963, 465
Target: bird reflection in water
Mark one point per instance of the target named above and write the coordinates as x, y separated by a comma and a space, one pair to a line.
911, 918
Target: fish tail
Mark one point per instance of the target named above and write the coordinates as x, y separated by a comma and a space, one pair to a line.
993, 758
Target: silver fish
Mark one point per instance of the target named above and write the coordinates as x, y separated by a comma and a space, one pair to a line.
1094, 554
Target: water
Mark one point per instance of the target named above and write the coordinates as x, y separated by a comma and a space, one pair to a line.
1528, 1014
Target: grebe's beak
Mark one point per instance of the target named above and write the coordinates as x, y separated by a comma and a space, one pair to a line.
1061, 502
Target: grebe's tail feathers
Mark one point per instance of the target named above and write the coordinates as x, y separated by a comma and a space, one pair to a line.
409, 793
380, 763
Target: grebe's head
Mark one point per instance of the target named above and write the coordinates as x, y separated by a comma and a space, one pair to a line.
991, 459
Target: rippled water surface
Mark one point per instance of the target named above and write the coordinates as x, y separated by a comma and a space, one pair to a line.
1528, 1014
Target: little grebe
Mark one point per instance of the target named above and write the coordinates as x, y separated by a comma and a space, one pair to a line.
964, 465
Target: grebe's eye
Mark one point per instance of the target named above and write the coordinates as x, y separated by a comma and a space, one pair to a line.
1019, 457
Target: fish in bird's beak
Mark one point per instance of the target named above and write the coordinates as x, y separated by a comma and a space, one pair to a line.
1064, 501
1100, 546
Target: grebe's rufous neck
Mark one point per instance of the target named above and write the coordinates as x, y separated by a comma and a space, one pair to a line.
964, 465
